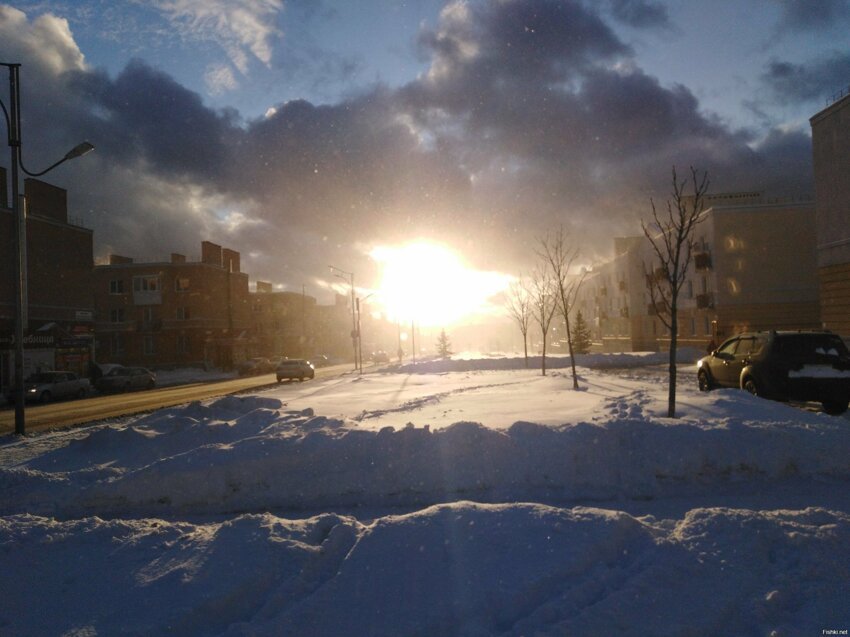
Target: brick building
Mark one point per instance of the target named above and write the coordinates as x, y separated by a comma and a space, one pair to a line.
831, 151
283, 323
754, 269
177, 313
60, 304
295, 325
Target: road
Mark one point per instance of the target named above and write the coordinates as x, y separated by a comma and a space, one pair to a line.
102, 407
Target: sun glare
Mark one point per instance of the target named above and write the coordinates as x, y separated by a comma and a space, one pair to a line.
428, 283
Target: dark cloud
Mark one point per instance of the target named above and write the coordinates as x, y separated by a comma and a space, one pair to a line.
145, 114
640, 13
806, 15
814, 81
532, 113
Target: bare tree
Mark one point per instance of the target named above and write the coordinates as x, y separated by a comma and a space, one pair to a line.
543, 304
672, 240
559, 254
518, 304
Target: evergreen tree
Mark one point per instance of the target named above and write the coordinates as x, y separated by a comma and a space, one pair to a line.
581, 337
444, 345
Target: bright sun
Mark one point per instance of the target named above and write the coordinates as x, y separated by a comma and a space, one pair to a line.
429, 284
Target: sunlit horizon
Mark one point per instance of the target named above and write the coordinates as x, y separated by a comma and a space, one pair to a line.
429, 283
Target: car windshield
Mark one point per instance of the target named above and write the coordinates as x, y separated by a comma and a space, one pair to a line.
118, 371
42, 377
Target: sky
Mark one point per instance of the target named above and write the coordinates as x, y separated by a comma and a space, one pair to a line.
313, 133
459, 497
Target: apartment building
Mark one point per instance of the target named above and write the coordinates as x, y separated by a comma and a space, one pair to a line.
754, 269
60, 304
176, 313
283, 323
831, 151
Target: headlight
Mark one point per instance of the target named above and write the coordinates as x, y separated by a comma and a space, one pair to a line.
32, 390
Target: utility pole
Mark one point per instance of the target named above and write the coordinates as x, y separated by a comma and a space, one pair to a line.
337, 272
13, 124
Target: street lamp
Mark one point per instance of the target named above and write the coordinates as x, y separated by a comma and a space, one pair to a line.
360, 331
13, 125
348, 277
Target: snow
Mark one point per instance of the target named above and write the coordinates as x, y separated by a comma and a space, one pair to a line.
819, 371
466, 497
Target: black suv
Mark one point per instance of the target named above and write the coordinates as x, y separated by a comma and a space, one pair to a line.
799, 366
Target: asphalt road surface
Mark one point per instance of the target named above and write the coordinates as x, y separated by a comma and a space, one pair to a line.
101, 407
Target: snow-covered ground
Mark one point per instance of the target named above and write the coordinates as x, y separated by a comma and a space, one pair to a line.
468, 497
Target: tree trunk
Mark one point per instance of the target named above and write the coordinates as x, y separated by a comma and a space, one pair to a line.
572, 356
543, 359
525, 347
671, 391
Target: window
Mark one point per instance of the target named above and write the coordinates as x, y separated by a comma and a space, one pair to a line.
116, 286
116, 345
728, 347
181, 284
148, 345
693, 326
183, 344
148, 283
116, 315
147, 315
690, 289
182, 313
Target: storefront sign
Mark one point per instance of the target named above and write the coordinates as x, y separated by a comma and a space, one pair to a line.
31, 341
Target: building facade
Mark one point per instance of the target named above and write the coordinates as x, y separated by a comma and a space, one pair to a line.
177, 313
754, 268
283, 323
831, 152
60, 305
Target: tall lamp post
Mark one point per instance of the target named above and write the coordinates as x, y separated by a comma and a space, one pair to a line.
13, 125
348, 277
360, 331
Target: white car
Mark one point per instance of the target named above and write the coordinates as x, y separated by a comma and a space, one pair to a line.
46, 386
293, 368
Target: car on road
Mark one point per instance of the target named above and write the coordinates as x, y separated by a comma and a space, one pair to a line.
45, 387
805, 366
380, 357
320, 360
255, 366
293, 368
126, 379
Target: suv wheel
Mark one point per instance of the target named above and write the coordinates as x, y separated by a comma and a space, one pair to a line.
750, 385
704, 381
835, 407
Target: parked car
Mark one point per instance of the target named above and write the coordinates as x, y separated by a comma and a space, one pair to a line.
798, 366
293, 368
125, 379
381, 357
47, 386
255, 366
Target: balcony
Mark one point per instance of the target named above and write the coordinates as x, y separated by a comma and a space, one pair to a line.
654, 309
702, 261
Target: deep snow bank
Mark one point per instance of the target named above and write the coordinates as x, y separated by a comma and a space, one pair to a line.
684, 355
458, 569
250, 454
